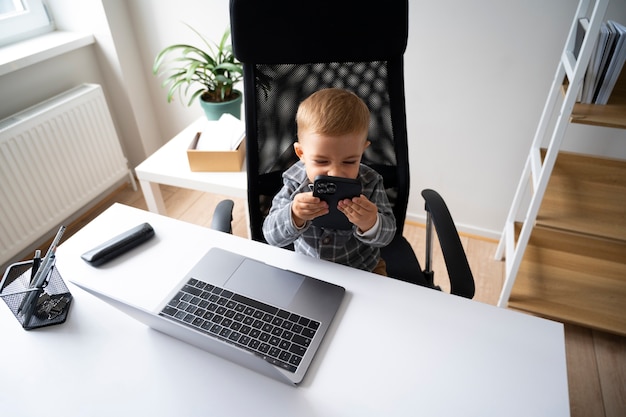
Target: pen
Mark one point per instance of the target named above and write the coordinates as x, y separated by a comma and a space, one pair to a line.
47, 261
35, 267
40, 276
32, 305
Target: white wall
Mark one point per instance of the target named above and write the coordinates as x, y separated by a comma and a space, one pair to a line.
123, 73
102, 63
159, 24
477, 76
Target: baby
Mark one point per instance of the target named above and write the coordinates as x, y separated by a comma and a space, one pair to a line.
332, 135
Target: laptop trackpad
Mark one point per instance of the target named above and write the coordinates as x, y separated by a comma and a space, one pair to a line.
265, 283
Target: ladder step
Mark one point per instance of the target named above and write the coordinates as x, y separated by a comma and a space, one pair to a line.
573, 278
586, 194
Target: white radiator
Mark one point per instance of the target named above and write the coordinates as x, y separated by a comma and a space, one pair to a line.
55, 158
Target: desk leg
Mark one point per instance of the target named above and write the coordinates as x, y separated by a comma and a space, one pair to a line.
153, 197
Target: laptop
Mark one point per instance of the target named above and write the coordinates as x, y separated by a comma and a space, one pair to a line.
262, 317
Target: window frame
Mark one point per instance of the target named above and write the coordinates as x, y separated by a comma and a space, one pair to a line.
34, 21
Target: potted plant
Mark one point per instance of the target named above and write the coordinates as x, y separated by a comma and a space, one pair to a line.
208, 73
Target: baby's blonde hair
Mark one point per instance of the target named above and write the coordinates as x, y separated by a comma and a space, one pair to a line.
333, 112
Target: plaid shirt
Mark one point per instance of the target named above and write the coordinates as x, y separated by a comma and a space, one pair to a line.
346, 247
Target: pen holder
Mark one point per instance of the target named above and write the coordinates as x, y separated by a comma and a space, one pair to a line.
50, 304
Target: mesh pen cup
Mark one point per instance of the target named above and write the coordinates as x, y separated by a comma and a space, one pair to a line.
35, 307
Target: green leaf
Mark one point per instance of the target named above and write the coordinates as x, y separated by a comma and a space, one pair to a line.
211, 68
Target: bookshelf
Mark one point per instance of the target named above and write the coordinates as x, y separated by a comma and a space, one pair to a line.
612, 114
524, 216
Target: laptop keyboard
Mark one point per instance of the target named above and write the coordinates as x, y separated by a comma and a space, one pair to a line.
278, 336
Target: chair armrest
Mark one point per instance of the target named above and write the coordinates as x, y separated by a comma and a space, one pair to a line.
223, 216
461, 278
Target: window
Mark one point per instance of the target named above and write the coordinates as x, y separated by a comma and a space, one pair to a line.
23, 19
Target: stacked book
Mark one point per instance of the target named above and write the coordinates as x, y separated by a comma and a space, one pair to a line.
606, 63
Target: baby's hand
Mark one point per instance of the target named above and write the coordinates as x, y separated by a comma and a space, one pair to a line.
306, 207
360, 211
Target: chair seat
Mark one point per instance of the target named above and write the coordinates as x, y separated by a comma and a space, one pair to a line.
402, 263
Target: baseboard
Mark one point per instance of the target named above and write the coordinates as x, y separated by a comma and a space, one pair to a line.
463, 229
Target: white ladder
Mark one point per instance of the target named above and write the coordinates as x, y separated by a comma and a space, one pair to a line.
537, 173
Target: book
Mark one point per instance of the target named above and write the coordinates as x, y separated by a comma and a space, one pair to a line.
591, 76
614, 64
581, 31
607, 52
224, 134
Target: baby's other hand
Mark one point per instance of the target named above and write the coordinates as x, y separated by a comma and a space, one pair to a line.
360, 211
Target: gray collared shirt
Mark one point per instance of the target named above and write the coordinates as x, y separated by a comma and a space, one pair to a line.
346, 247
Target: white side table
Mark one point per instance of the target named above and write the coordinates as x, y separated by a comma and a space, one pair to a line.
169, 165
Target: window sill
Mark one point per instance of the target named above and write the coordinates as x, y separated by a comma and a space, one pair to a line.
22, 54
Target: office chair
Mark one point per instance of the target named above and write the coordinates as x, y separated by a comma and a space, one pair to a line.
291, 49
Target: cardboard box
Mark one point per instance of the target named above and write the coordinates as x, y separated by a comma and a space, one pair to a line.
215, 161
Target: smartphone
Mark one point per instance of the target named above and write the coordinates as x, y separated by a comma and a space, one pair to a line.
332, 190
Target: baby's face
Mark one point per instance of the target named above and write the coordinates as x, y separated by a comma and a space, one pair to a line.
338, 156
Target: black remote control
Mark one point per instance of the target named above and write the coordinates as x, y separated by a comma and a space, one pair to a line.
119, 244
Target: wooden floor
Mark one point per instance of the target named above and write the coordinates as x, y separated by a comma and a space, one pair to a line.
596, 361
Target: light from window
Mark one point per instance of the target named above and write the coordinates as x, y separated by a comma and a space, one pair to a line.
9, 8
22, 19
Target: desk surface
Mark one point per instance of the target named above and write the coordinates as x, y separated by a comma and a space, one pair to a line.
443, 355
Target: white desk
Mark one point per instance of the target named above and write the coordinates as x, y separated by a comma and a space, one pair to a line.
445, 356
169, 165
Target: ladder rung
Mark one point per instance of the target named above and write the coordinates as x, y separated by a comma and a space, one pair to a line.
510, 241
535, 167
569, 63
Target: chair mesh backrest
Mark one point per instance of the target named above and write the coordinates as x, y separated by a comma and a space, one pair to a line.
275, 86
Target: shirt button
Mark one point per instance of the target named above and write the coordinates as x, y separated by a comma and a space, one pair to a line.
326, 240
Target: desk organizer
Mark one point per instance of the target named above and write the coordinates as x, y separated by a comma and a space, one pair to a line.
52, 301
